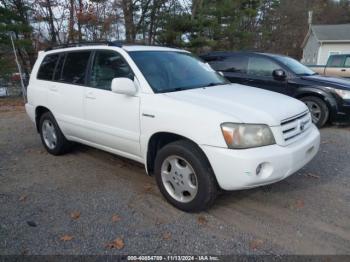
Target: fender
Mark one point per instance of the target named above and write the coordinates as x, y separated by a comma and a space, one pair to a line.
319, 92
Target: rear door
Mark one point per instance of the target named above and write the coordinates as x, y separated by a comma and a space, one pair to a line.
112, 120
66, 92
346, 69
336, 66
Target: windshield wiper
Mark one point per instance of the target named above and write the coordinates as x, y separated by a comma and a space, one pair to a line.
174, 90
212, 84
188, 88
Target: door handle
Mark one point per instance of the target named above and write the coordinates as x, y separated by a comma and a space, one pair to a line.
90, 95
53, 88
343, 70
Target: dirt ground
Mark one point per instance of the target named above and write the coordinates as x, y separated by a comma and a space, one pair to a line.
92, 202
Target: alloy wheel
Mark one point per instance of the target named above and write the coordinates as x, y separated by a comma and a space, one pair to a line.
179, 179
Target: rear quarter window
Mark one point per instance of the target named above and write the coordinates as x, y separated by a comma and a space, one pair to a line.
47, 67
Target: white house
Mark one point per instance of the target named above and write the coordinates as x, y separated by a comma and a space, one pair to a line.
324, 40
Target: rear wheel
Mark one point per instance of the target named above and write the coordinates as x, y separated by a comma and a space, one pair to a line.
52, 136
318, 109
184, 176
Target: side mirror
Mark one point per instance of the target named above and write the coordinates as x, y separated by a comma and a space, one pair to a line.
123, 86
279, 74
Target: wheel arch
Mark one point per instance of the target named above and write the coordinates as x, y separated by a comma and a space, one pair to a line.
159, 140
320, 93
39, 111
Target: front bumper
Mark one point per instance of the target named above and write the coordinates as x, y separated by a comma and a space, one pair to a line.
343, 114
237, 169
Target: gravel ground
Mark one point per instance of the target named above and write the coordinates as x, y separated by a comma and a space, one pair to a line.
92, 202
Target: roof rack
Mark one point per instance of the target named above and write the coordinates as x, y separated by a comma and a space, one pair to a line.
108, 43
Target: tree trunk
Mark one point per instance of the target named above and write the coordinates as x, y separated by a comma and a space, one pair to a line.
196, 6
152, 24
128, 7
79, 22
51, 23
71, 21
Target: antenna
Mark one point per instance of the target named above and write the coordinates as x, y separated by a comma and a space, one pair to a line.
24, 91
311, 14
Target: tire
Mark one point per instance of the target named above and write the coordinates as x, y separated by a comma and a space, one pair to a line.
184, 156
318, 108
59, 144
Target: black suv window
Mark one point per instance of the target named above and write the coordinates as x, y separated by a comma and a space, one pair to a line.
261, 66
47, 67
106, 66
232, 64
74, 70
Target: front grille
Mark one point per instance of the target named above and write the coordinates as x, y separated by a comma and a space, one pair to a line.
293, 127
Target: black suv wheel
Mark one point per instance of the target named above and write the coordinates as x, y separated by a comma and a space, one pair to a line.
318, 108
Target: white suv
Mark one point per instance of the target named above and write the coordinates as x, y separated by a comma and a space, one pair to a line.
170, 111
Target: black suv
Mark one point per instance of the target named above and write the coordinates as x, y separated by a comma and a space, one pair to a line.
327, 98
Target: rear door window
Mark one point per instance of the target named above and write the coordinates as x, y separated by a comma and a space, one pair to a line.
75, 65
47, 67
232, 64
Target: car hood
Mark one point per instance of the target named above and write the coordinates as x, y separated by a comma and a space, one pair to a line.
329, 81
244, 103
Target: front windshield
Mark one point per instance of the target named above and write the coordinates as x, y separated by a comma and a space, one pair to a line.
296, 67
169, 71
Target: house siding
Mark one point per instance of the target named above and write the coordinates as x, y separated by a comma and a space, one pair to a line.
328, 48
310, 52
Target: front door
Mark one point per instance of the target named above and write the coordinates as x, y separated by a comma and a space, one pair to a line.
112, 120
260, 74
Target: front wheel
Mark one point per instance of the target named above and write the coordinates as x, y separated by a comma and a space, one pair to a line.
318, 109
184, 176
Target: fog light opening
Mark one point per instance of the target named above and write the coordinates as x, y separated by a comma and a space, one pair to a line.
259, 169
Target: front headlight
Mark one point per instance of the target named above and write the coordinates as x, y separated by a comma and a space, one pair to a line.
242, 136
345, 94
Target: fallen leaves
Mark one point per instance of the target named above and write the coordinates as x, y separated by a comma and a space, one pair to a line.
115, 218
166, 236
201, 220
116, 244
75, 215
296, 204
299, 204
148, 188
66, 238
23, 198
255, 244
158, 222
